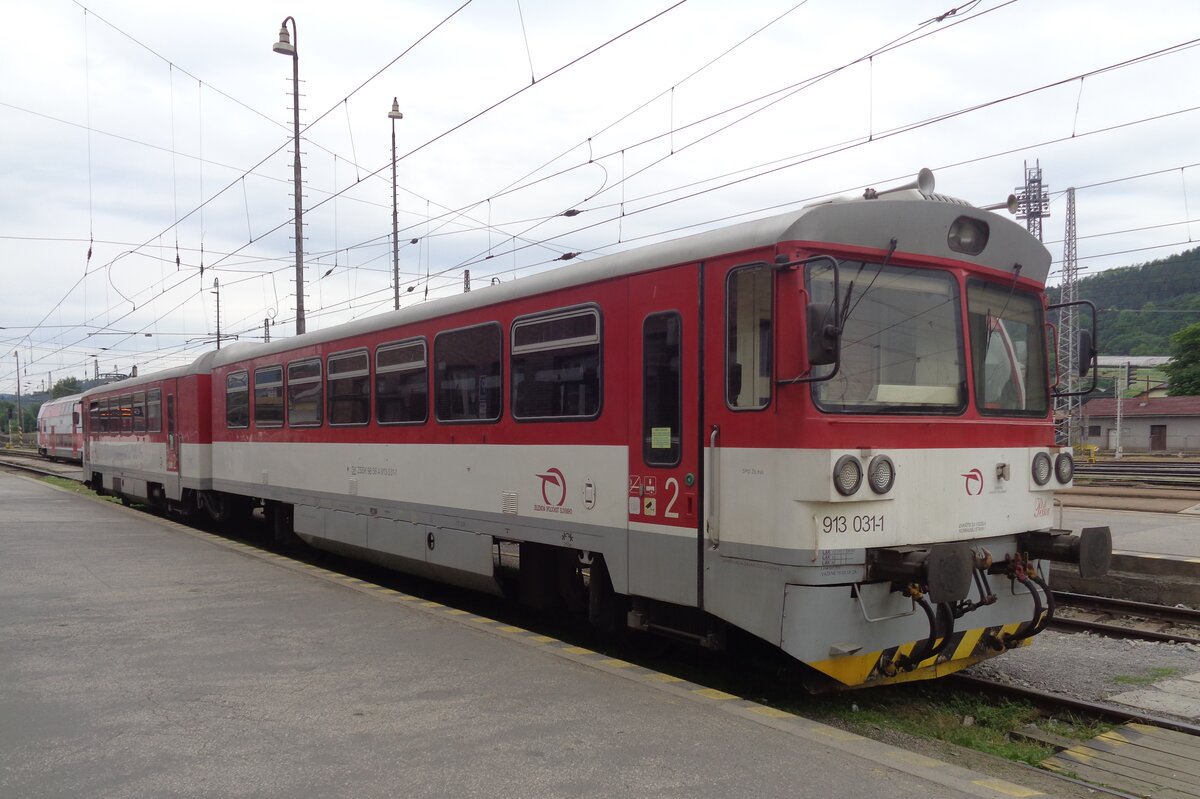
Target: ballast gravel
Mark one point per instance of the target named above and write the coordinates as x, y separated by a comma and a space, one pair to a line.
1090, 667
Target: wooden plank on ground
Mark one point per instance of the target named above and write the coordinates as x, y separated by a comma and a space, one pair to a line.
1137, 750
1131, 769
1137, 758
1107, 779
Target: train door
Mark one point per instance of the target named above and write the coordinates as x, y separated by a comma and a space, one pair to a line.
172, 433
76, 430
88, 421
664, 455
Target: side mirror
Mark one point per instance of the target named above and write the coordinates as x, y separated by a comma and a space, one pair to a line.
824, 335
821, 335
1086, 350
1086, 343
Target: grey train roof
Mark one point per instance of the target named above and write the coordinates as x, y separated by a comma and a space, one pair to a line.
918, 220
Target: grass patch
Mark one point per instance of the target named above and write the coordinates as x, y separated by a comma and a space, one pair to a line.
1145, 678
962, 718
74, 486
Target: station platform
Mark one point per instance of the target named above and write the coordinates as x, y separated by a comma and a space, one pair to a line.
140, 657
1155, 537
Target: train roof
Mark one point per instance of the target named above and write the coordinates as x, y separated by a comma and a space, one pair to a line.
68, 398
918, 220
202, 365
50, 403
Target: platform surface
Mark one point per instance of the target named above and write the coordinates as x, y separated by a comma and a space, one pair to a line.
139, 658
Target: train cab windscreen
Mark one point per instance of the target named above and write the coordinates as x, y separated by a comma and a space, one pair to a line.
1007, 350
902, 345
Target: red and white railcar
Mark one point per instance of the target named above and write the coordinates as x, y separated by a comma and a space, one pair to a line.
831, 429
60, 429
148, 438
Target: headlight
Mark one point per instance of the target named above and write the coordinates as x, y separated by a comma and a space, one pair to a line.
1064, 467
967, 235
881, 474
1041, 468
847, 475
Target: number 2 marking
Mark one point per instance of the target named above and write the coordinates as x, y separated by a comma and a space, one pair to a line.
673, 490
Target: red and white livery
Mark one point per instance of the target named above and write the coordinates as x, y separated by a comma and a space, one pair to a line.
831, 429
149, 437
60, 429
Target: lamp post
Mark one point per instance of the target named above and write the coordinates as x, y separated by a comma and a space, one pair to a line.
395, 114
287, 46
20, 418
217, 291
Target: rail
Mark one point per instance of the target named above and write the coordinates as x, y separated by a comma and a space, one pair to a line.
1140, 620
1050, 699
1184, 474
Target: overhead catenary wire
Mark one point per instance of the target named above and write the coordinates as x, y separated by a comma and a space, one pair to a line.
461, 124
431, 276
335, 248
475, 116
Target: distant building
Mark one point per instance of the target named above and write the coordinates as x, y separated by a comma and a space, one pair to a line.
1148, 423
1135, 361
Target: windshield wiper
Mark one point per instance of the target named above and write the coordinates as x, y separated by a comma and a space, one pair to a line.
846, 307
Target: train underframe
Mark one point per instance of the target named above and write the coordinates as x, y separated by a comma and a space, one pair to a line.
916, 612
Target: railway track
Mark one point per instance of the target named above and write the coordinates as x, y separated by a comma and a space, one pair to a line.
1122, 618
1162, 474
33, 463
1049, 700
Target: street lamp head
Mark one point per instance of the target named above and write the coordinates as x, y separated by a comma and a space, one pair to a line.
395, 112
284, 45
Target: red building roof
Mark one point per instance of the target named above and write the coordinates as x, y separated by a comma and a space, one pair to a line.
1144, 406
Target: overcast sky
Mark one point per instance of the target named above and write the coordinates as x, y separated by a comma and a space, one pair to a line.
154, 131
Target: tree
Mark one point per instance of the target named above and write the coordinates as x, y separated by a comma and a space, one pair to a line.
1183, 371
66, 387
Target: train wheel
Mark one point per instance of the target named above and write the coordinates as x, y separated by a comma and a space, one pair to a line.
281, 515
606, 610
224, 509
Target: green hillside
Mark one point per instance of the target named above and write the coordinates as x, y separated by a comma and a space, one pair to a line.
1141, 306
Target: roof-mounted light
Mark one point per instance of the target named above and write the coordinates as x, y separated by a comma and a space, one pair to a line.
967, 235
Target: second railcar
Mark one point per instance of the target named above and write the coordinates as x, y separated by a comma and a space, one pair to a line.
60, 429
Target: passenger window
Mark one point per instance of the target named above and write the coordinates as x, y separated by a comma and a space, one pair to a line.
401, 383
349, 388
468, 374
662, 410
749, 301
555, 366
112, 415
94, 417
126, 413
304, 393
139, 412
154, 411
237, 400
268, 396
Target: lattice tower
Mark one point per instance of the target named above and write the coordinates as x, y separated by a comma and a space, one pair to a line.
1067, 409
1033, 200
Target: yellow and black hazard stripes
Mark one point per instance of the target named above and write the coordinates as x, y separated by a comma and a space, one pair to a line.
966, 647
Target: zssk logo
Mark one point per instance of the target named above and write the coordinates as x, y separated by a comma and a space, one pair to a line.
974, 482
553, 485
